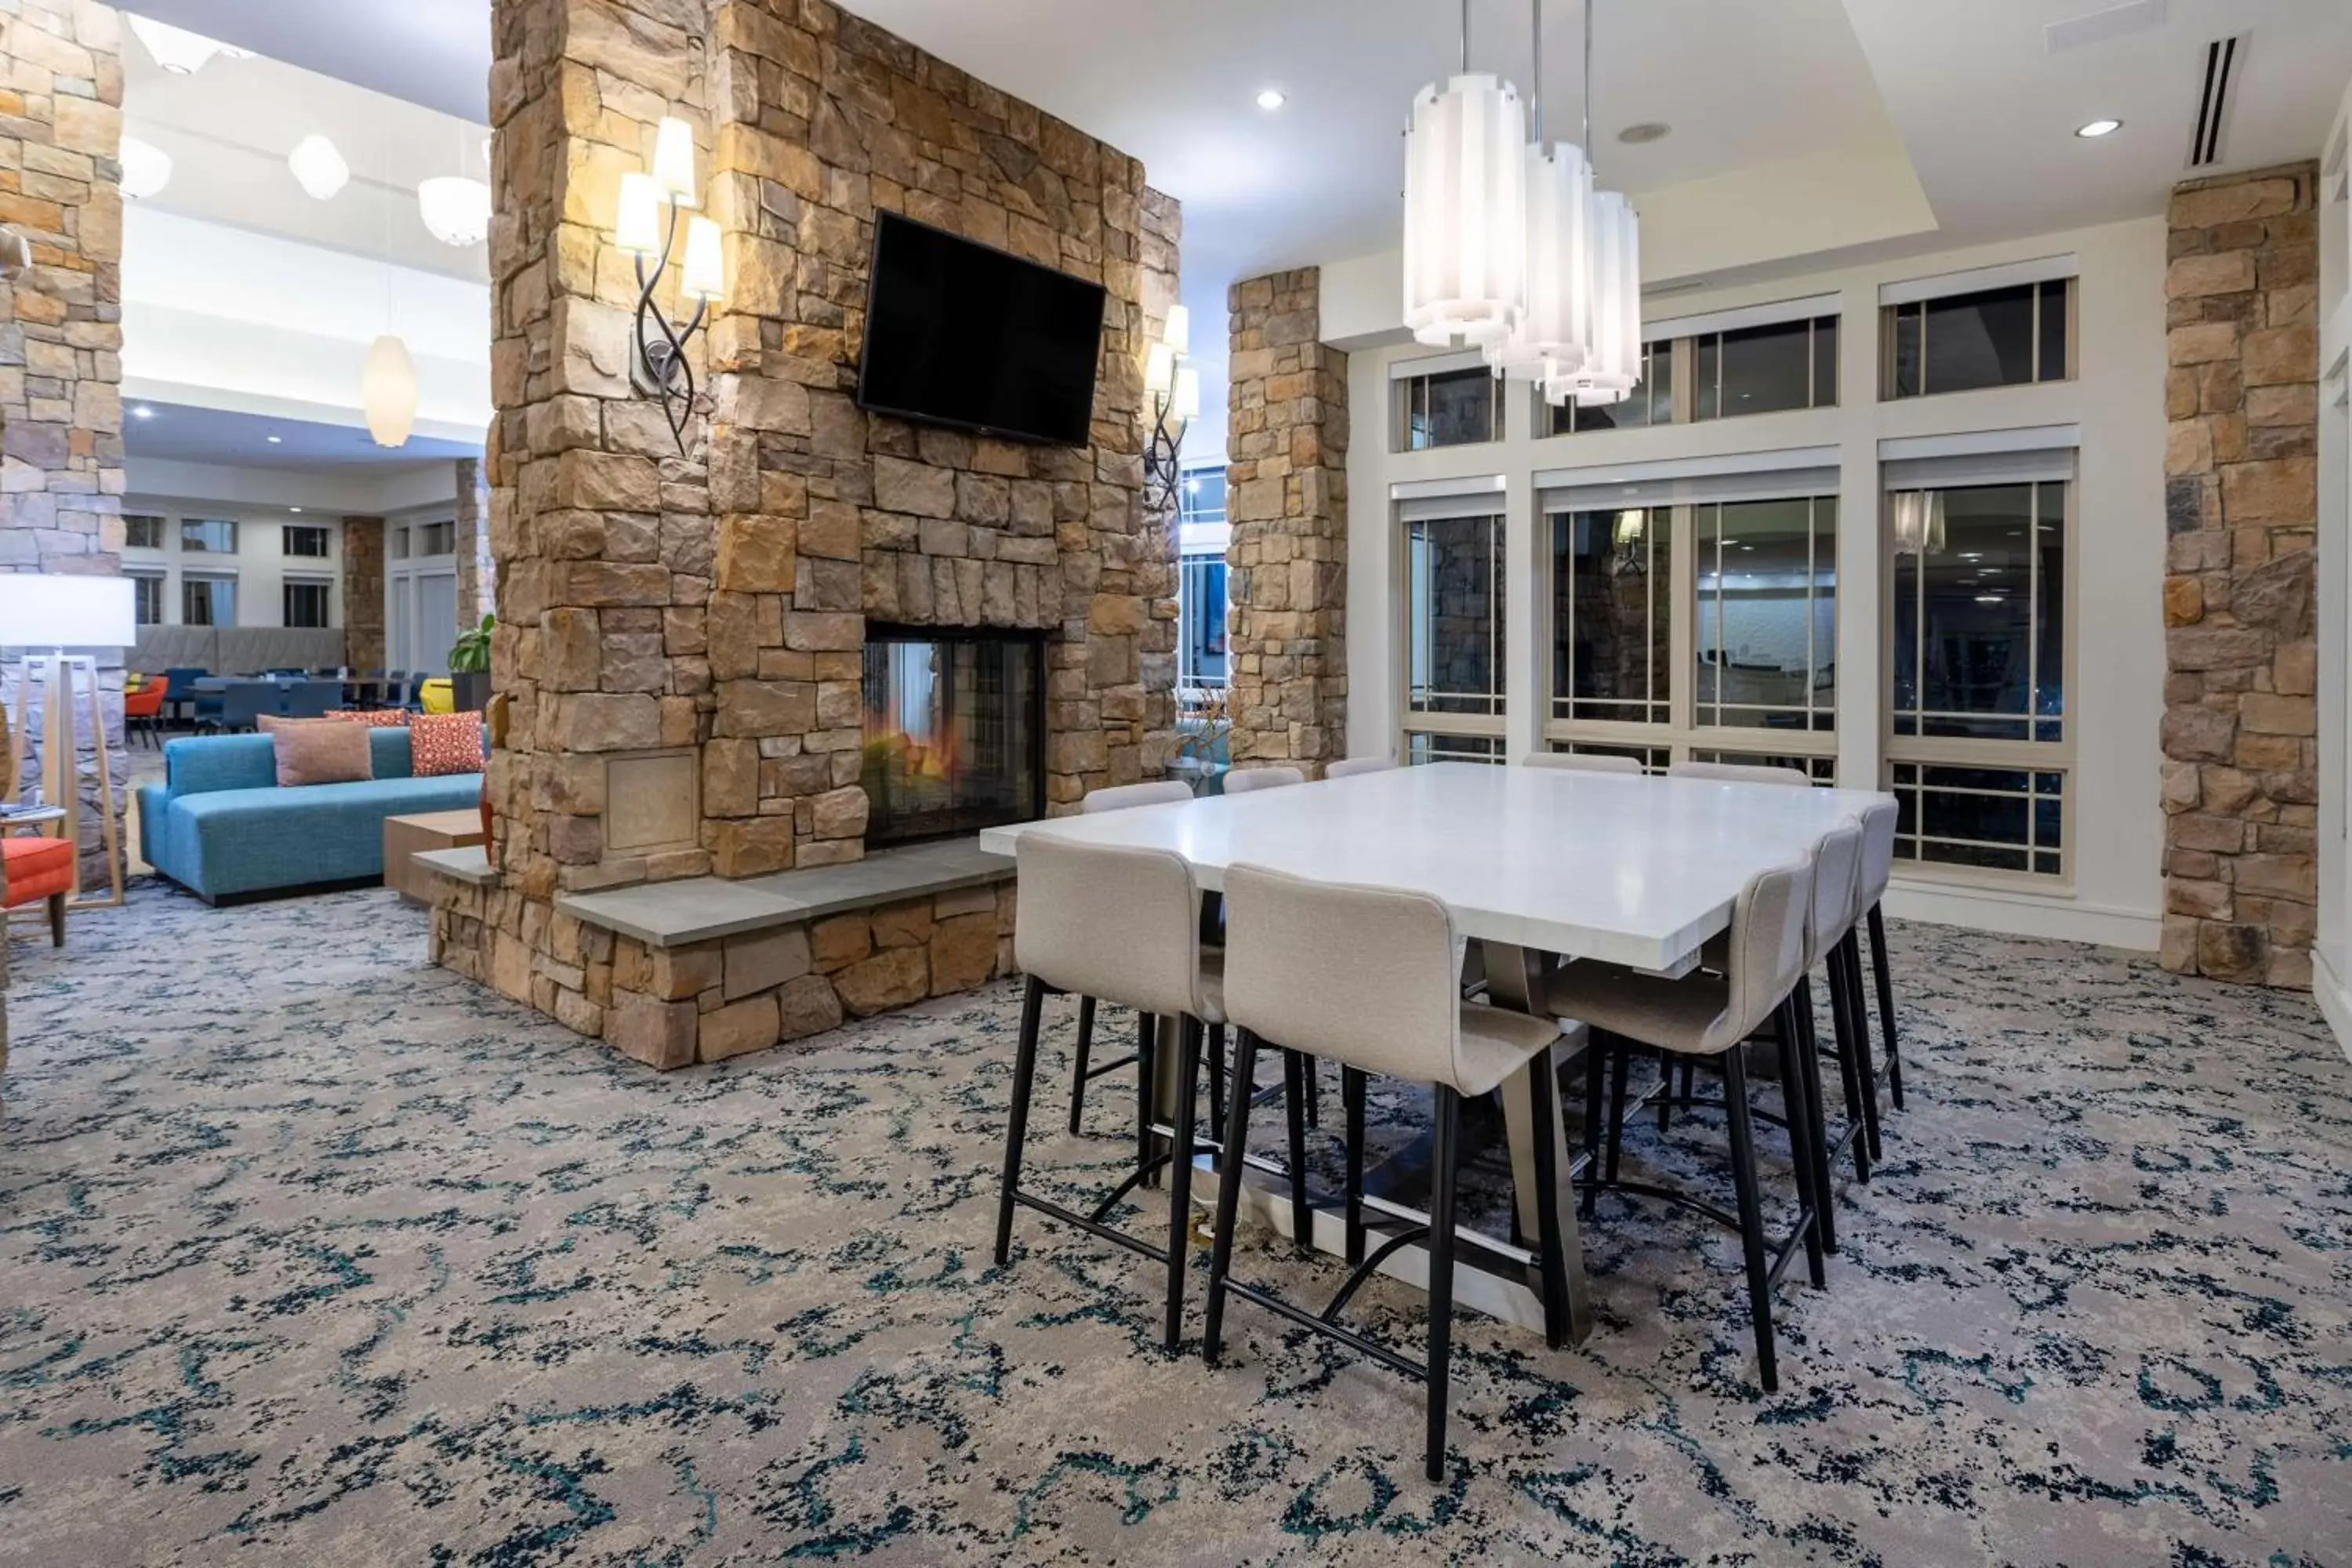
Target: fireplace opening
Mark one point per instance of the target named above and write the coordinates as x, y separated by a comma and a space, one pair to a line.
955, 730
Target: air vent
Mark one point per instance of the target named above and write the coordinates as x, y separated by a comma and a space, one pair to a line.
2224, 59
2115, 22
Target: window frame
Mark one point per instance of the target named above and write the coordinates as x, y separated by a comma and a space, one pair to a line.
163, 522
287, 586
1188, 672
286, 535
1887, 332
1812, 325
189, 580
1488, 728
157, 582
236, 536
1402, 398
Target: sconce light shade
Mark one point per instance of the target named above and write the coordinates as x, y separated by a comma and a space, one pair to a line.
705, 273
1187, 404
388, 392
457, 209
318, 168
1178, 333
146, 168
637, 231
674, 162
1160, 370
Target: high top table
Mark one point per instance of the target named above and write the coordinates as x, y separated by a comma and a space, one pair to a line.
1537, 864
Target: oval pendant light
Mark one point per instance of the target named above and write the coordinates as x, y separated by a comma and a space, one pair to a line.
457, 209
388, 392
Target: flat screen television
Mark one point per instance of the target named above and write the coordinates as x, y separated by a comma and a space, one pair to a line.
964, 334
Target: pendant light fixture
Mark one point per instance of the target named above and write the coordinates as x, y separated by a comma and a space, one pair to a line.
146, 169
1466, 178
1613, 365
176, 50
318, 168
1552, 335
457, 209
388, 390
1918, 522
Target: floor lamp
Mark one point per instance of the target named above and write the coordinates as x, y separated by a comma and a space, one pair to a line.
58, 613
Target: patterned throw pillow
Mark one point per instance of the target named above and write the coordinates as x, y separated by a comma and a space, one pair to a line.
444, 743
375, 718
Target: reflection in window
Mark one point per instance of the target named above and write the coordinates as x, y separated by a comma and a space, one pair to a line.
208, 601
1963, 342
1612, 597
306, 604
1201, 606
140, 531
437, 538
210, 535
1978, 646
1823, 770
1765, 628
1768, 369
1652, 403
297, 539
1653, 759
1998, 819
1427, 747
1454, 615
1451, 408
149, 592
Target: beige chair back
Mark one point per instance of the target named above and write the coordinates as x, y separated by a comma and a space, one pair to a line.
1739, 773
1350, 767
1837, 879
1120, 797
1118, 924
1877, 852
1580, 762
1241, 781
1767, 954
1363, 976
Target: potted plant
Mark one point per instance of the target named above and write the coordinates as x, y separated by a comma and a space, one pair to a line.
469, 667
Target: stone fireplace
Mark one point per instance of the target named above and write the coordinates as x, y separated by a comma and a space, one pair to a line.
955, 732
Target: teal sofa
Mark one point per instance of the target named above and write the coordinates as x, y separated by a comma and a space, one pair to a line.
219, 825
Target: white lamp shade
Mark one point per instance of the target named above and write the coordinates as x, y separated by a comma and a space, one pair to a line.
705, 270
674, 162
1552, 337
388, 392
1187, 402
1178, 333
38, 611
1614, 366
318, 168
1464, 211
637, 228
457, 209
1160, 369
176, 50
146, 168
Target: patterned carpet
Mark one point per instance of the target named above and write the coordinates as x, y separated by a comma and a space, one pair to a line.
313, 1255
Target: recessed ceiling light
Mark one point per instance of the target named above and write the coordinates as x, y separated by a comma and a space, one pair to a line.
275, 440
1272, 99
1647, 130
294, 509
141, 411
2101, 128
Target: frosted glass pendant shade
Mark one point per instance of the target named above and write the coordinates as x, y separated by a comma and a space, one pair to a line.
1465, 208
674, 162
457, 209
1553, 335
705, 271
146, 168
388, 392
1613, 368
318, 168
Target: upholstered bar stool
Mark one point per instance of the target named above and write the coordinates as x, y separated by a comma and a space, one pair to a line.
1349, 767
1738, 773
1878, 825
1712, 1015
1243, 781
1126, 797
1121, 925
1365, 976
1580, 762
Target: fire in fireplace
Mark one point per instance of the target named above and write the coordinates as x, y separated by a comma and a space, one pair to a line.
955, 730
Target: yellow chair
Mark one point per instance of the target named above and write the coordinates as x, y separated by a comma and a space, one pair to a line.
439, 695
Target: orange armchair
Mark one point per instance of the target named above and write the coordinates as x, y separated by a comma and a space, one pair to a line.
142, 706
39, 868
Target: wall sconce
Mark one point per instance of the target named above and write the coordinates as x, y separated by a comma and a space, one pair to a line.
1174, 390
1626, 535
648, 228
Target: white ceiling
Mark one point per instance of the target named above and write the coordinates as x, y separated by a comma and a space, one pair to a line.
182, 433
432, 52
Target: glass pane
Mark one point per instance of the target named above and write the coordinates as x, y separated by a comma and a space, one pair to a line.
1764, 369
1653, 759
1658, 381
1424, 748
1455, 409
150, 606
2000, 819
1710, 358
1766, 636
1979, 339
2053, 331
1905, 368
952, 739
1965, 611
2050, 611
1611, 597
1825, 362
1203, 500
1455, 614
140, 531
1201, 600
209, 536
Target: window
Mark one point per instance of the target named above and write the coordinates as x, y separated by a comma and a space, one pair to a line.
1823, 770
1448, 408
1653, 402
306, 602
1201, 601
1766, 623
1453, 631
1767, 369
147, 589
399, 544
1612, 614
301, 540
210, 536
1978, 746
1653, 759
437, 538
1996, 337
208, 601
1439, 748
1202, 501
141, 531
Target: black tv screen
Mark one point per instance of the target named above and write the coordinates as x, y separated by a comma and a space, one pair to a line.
962, 334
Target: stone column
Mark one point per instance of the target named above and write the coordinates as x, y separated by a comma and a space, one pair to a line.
477, 576
1287, 495
2240, 729
363, 592
61, 334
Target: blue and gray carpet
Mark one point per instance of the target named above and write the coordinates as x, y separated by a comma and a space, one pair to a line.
311, 1254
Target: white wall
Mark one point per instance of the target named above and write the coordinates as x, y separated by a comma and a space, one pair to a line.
2118, 403
2331, 973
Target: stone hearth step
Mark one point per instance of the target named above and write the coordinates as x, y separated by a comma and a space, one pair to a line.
703, 909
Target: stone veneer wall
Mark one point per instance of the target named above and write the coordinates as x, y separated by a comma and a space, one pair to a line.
2241, 773
477, 577
1286, 497
62, 479
364, 647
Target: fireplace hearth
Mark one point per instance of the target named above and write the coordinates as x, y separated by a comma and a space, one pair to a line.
955, 730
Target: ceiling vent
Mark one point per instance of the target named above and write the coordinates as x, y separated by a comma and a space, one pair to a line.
2098, 27
2225, 61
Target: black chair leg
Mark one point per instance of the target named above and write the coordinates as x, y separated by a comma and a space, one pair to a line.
1352, 1100
1179, 1182
1620, 1068
1881, 970
1599, 1049
1845, 980
1314, 1092
1751, 1214
1804, 1124
1025, 1076
1295, 1072
1216, 1076
1809, 1066
1086, 1048
1846, 1075
1147, 1075
1551, 1252
1446, 1152
1230, 1169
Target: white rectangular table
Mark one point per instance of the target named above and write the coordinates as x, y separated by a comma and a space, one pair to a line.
1533, 862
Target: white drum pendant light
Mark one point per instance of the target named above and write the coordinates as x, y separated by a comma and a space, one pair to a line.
1553, 334
1465, 207
1613, 365
388, 392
